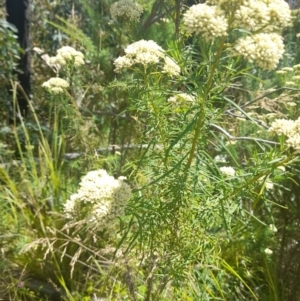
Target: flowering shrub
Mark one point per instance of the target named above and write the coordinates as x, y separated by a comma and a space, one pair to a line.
194, 138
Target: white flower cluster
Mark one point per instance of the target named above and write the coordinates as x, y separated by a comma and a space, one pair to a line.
252, 15
208, 21
146, 53
227, 171
255, 14
67, 54
268, 251
267, 182
56, 85
181, 97
170, 67
273, 228
280, 12
100, 200
127, 9
289, 128
264, 49
282, 127
220, 158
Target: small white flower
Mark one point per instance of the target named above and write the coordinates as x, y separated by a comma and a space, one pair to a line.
282, 168
220, 158
268, 251
269, 185
181, 97
273, 228
227, 171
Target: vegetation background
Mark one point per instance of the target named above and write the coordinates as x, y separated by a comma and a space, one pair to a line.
189, 231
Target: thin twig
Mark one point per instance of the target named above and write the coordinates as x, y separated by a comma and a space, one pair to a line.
111, 148
259, 122
242, 138
262, 96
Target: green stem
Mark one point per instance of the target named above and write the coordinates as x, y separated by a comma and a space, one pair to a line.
156, 111
201, 117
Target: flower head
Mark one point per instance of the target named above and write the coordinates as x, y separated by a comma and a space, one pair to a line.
264, 49
146, 53
273, 228
252, 15
67, 54
256, 14
170, 67
227, 171
208, 21
289, 128
56, 85
100, 200
279, 12
126, 8
220, 158
282, 127
181, 97
268, 251
269, 185
294, 141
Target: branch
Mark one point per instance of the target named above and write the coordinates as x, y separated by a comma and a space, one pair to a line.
242, 138
111, 148
259, 122
260, 97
